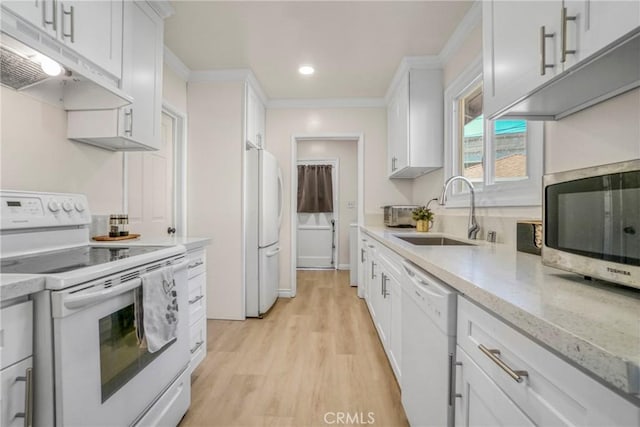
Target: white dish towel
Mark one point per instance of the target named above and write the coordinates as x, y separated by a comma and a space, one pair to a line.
160, 308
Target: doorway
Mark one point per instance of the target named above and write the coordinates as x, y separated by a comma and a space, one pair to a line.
350, 203
155, 181
318, 223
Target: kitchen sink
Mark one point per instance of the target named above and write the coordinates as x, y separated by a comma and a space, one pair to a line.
432, 241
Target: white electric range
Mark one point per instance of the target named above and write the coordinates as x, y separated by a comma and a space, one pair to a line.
88, 366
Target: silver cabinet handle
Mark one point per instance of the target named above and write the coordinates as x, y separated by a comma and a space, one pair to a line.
196, 347
128, 115
195, 264
382, 285
54, 18
564, 19
493, 355
543, 50
373, 270
362, 255
196, 299
71, 14
385, 279
28, 398
393, 163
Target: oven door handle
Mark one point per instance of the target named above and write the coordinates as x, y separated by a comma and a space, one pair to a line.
84, 299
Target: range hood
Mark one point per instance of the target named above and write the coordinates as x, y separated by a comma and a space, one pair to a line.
611, 71
71, 90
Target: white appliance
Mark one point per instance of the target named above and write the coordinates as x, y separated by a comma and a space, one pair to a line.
88, 366
428, 344
263, 202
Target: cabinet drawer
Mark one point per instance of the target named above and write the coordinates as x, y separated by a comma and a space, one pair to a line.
13, 389
551, 391
198, 341
197, 262
16, 333
197, 298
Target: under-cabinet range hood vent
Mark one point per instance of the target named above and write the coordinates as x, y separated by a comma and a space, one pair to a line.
23, 70
609, 72
19, 72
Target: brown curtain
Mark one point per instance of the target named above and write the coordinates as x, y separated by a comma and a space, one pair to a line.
315, 188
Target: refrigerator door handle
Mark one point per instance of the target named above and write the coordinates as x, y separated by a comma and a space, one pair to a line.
274, 252
280, 198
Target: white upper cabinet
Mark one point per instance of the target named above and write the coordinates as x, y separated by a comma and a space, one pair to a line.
255, 118
415, 123
135, 127
90, 29
528, 43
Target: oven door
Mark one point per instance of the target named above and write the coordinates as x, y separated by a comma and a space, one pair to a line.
102, 376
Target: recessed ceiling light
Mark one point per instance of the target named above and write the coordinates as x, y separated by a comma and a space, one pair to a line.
306, 70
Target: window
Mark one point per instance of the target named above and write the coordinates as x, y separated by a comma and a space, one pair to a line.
503, 158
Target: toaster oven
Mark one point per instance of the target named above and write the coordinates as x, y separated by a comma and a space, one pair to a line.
399, 215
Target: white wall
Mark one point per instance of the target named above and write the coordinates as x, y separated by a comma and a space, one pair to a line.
372, 122
347, 154
37, 156
215, 190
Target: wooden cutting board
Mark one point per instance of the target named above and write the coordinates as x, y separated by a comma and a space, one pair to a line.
114, 239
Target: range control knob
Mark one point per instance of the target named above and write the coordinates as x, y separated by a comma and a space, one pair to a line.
67, 206
53, 206
79, 206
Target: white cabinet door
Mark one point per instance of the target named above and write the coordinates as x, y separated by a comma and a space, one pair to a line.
592, 25
255, 122
93, 29
398, 127
142, 75
513, 43
395, 328
481, 401
13, 393
38, 13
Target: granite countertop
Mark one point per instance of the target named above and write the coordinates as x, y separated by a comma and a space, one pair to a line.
188, 242
18, 285
595, 325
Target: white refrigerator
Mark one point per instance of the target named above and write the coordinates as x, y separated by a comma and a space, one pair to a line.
263, 201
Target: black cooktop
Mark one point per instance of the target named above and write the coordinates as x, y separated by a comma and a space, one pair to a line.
71, 259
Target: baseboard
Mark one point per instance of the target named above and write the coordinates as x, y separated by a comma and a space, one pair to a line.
344, 266
284, 293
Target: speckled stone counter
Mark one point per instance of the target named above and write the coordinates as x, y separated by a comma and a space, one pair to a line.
18, 285
594, 325
188, 242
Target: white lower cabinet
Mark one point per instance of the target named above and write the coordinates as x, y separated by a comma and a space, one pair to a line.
197, 306
16, 364
506, 378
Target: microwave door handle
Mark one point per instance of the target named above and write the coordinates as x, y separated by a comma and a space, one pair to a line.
78, 301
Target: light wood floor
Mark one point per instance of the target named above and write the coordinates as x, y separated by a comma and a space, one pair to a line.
311, 355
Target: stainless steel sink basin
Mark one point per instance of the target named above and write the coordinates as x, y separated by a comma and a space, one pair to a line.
432, 241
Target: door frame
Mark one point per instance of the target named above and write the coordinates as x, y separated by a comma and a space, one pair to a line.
347, 136
179, 169
335, 178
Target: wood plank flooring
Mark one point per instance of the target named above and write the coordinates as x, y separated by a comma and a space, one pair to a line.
310, 358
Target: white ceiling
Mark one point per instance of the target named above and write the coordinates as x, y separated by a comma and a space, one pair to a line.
355, 46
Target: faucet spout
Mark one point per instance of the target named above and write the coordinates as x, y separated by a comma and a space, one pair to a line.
473, 224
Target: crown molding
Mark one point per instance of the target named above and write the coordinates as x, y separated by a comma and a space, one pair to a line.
327, 103
469, 22
176, 64
411, 62
162, 7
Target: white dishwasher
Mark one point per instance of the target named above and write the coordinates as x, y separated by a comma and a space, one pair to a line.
428, 348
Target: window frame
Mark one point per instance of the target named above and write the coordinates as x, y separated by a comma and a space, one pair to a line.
524, 192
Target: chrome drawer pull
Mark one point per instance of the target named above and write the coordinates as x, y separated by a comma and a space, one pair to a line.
493, 355
28, 398
196, 299
196, 264
197, 346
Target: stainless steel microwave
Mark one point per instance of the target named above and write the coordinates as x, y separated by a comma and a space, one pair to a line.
591, 222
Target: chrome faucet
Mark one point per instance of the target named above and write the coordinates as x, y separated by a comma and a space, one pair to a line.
473, 225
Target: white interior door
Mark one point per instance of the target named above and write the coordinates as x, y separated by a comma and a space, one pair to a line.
317, 232
150, 177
